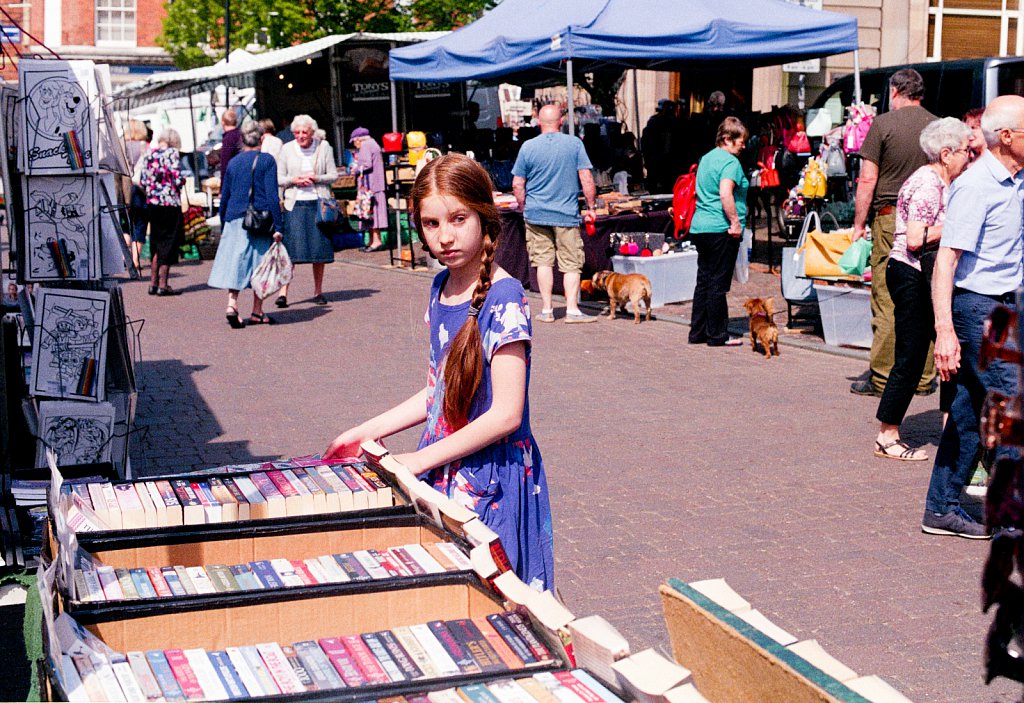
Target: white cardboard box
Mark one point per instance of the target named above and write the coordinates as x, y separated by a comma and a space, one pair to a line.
673, 276
845, 315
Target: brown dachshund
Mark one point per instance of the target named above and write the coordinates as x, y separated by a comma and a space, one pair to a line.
625, 288
762, 326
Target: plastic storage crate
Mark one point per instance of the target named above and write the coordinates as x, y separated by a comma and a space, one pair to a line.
845, 315
673, 276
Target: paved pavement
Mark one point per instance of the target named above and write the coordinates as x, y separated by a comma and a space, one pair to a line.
663, 460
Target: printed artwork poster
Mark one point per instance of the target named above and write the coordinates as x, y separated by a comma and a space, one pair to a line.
79, 433
9, 110
69, 344
61, 236
60, 115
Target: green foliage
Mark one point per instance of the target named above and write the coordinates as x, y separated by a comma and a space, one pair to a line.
447, 14
193, 30
346, 16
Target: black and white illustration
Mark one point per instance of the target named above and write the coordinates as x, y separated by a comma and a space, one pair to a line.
61, 239
78, 433
69, 345
59, 116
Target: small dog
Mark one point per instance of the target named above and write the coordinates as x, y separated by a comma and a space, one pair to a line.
762, 326
625, 288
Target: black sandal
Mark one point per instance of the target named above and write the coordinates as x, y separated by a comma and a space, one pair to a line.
232, 316
904, 452
262, 319
281, 302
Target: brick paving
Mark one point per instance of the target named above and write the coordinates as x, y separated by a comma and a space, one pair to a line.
663, 460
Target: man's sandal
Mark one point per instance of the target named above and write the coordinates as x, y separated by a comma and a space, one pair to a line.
904, 452
260, 320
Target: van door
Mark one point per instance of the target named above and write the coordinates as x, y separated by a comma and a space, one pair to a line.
1010, 78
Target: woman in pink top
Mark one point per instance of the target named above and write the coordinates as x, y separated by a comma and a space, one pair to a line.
920, 208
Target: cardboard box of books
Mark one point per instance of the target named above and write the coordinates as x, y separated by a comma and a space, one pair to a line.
193, 571
346, 647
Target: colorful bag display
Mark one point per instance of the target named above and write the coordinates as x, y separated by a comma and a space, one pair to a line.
273, 272
684, 202
822, 251
857, 126
854, 260
197, 230
815, 183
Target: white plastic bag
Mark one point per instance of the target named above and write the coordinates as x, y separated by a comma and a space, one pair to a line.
274, 271
741, 273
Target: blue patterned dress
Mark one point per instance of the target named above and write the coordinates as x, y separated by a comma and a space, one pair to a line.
503, 483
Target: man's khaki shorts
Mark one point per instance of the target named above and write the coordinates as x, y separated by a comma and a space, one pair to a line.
546, 244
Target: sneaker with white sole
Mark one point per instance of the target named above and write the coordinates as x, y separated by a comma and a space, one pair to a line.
956, 523
575, 318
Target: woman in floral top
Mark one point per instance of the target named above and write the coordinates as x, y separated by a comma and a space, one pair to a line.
920, 209
162, 180
477, 447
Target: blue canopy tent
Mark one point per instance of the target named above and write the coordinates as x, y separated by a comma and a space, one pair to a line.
518, 35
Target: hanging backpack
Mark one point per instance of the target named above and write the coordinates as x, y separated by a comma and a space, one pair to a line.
684, 202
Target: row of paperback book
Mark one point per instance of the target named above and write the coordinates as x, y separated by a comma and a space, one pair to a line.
313, 490
96, 582
499, 643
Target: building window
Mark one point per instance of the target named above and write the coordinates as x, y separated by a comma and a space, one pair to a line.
959, 29
115, 22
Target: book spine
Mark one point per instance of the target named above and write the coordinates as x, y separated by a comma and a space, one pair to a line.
455, 555
228, 504
416, 651
343, 491
478, 693
201, 665
211, 506
111, 506
186, 580
365, 660
280, 668
150, 517
93, 588
318, 665
380, 488
259, 667
245, 578
229, 677
108, 680
266, 573
342, 662
157, 500
258, 508
140, 577
380, 653
222, 578
470, 637
439, 656
510, 692
314, 490
317, 571
360, 495
173, 581
184, 674
286, 572
333, 569
89, 677
285, 487
109, 582
371, 565
352, 566
402, 555
201, 580
298, 668
402, 659
578, 688
457, 652
394, 567
422, 557
303, 572
124, 577
159, 582
265, 486
240, 500
504, 652
144, 676
522, 628
171, 503
331, 498
192, 509
513, 640
246, 674
126, 680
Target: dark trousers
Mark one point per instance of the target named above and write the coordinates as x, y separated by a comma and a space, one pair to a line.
716, 259
915, 330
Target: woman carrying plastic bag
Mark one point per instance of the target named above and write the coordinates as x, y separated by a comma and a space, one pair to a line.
274, 271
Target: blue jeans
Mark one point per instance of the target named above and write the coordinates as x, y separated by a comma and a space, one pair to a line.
958, 448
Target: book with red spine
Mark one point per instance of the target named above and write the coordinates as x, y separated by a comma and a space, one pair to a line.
184, 675
342, 661
569, 680
275, 502
456, 651
171, 503
191, 507
280, 668
383, 657
470, 637
303, 572
159, 582
365, 660
392, 565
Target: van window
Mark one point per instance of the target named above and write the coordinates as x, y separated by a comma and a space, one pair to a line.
954, 93
1011, 78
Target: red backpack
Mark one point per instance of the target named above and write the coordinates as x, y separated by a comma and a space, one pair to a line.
684, 202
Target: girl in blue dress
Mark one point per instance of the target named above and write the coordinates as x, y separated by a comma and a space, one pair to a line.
477, 446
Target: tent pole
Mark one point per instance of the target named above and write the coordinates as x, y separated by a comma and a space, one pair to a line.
636, 104
192, 119
856, 76
394, 107
570, 107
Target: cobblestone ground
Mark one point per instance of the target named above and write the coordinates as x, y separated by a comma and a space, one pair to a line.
663, 460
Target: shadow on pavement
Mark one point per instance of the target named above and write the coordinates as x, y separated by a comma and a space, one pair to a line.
176, 430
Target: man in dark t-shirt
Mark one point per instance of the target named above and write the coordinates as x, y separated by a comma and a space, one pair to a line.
231, 144
890, 153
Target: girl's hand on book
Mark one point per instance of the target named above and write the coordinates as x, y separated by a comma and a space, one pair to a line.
346, 444
413, 462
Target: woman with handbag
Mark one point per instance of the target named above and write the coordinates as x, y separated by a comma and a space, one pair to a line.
716, 230
920, 210
305, 171
371, 203
250, 213
161, 178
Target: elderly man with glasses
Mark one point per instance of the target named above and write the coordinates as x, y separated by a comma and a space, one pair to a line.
979, 265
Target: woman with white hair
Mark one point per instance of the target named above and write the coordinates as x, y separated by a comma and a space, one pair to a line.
162, 179
920, 210
305, 171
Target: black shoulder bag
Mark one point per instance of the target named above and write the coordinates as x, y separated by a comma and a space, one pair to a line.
258, 223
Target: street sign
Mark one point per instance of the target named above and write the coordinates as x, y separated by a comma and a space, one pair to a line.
11, 33
809, 65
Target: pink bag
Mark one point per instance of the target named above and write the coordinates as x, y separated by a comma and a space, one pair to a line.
799, 143
857, 127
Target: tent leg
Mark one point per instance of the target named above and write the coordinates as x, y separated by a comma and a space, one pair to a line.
856, 76
569, 103
192, 119
636, 105
394, 107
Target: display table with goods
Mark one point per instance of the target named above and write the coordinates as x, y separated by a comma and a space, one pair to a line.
598, 250
413, 597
